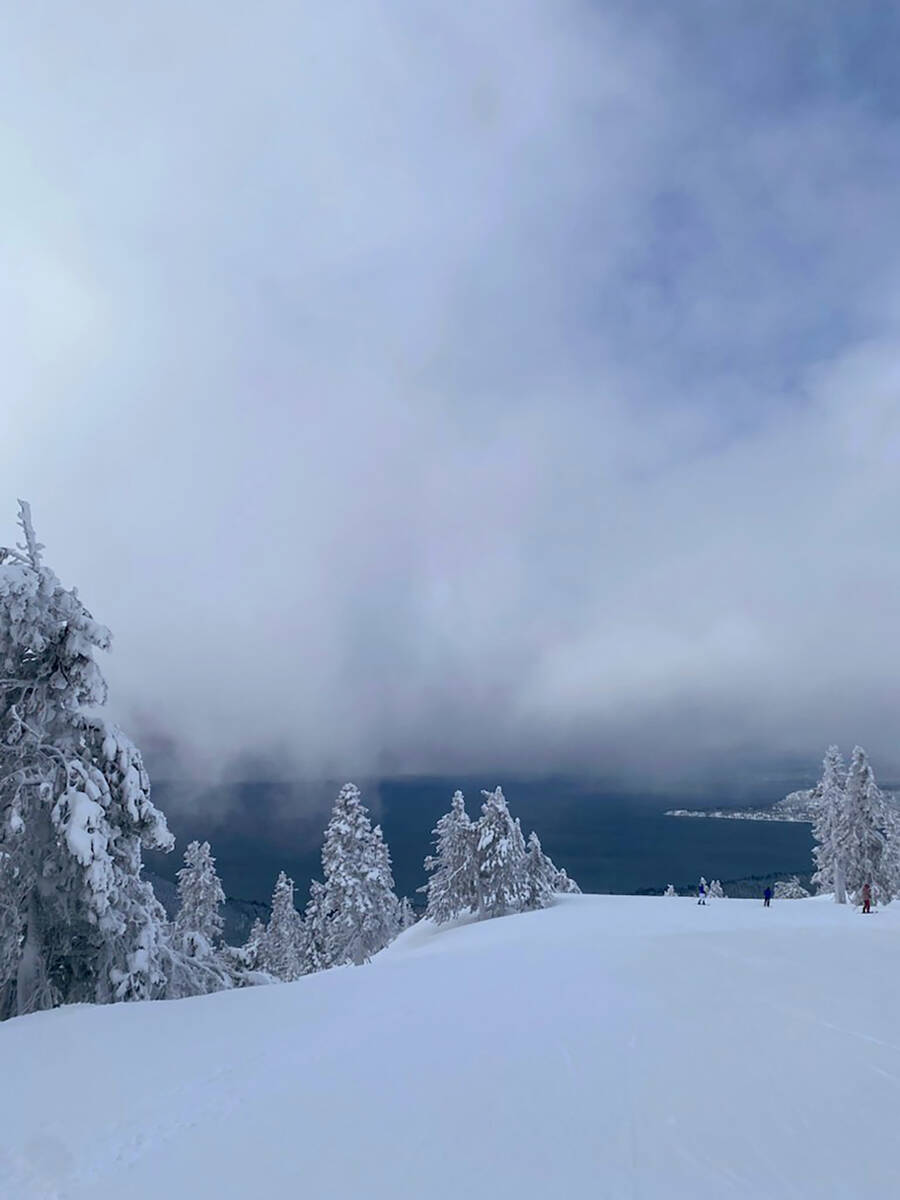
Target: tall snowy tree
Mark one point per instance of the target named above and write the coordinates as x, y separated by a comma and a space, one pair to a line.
314, 941
865, 833
362, 906
201, 895
830, 827
280, 950
501, 858
454, 885
75, 808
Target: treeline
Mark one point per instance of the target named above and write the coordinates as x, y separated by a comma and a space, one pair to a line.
80, 924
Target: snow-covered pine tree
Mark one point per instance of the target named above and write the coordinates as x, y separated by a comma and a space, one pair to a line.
251, 953
280, 951
75, 808
540, 875
385, 921
408, 916
716, 891
501, 858
670, 890
891, 857
362, 906
865, 833
314, 942
454, 886
199, 920
239, 966
790, 889
565, 885
829, 827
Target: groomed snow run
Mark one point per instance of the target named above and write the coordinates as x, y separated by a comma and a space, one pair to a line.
618, 1048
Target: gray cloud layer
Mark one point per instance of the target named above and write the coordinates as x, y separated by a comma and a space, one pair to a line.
430, 386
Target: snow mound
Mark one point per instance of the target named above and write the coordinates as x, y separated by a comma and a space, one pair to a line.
616, 1047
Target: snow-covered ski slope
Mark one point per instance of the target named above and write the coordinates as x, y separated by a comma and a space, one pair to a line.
612, 1047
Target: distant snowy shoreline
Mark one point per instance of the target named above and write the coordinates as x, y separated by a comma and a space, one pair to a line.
796, 807
750, 814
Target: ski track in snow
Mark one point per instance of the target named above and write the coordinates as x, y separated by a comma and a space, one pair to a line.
626, 1048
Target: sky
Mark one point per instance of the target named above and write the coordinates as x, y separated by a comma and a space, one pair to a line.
429, 387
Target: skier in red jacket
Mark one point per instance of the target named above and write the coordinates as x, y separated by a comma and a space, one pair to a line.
867, 898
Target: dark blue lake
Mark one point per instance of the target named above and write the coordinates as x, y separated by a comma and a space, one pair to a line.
606, 841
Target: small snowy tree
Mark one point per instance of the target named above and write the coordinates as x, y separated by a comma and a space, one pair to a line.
541, 876
408, 916
251, 953
563, 884
716, 891
75, 808
201, 895
242, 966
670, 890
501, 858
790, 889
454, 885
280, 952
830, 827
363, 912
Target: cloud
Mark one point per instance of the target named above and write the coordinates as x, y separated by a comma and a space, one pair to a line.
432, 388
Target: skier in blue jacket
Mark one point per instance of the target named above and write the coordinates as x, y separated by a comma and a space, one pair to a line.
701, 892
767, 897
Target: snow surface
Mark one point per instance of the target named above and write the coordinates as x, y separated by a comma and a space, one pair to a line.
611, 1047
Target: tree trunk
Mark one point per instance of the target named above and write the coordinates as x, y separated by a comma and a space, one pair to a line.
840, 887
30, 982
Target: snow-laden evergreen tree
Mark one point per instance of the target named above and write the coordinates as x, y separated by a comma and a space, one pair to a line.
251, 953
830, 827
280, 951
10, 916
408, 916
790, 889
540, 875
716, 891
314, 941
454, 886
891, 857
865, 833
237, 966
501, 858
670, 890
200, 891
362, 906
75, 807
565, 885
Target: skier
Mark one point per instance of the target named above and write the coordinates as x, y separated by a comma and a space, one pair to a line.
867, 898
701, 892
767, 897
